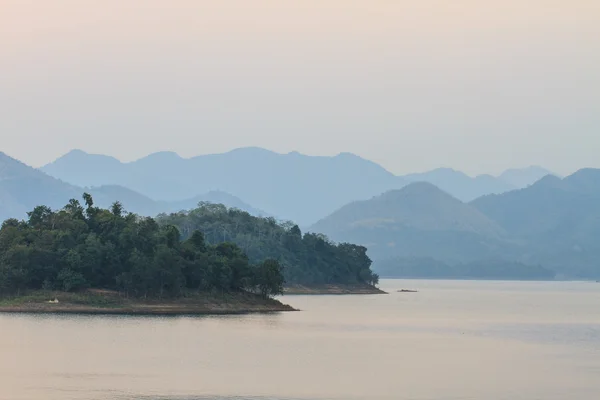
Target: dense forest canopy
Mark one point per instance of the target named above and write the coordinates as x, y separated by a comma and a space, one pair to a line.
86, 246
307, 258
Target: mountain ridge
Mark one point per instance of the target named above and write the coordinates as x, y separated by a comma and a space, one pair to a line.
23, 187
415, 221
551, 225
294, 186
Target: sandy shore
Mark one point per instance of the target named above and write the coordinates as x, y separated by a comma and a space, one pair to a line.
102, 302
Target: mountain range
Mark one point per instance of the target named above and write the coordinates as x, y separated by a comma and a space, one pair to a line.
554, 223
23, 187
523, 220
419, 220
557, 220
290, 186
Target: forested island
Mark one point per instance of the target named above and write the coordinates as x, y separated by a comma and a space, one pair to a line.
211, 259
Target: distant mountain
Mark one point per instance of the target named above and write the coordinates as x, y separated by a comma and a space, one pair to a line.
495, 268
22, 188
558, 220
523, 177
290, 186
82, 169
549, 206
460, 185
215, 197
419, 220
551, 225
131, 201
551, 222
140, 204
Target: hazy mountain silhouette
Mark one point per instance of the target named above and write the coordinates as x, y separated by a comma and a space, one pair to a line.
22, 188
551, 205
558, 219
554, 223
522, 177
143, 205
419, 220
290, 186
460, 185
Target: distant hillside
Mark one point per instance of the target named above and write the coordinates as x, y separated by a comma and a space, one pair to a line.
23, 187
419, 231
419, 220
428, 268
523, 177
558, 219
290, 186
551, 205
140, 204
460, 185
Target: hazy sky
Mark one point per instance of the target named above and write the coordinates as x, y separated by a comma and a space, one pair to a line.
416, 84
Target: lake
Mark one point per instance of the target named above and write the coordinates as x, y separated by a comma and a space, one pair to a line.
451, 340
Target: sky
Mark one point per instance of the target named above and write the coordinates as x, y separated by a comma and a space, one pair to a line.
479, 86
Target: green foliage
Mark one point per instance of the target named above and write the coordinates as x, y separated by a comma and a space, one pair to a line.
76, 248
269, 279
69, 280
305, 259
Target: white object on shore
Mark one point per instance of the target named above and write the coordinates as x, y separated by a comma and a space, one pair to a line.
53, 301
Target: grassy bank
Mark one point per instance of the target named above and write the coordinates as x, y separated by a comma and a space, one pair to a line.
332, 289
108, 302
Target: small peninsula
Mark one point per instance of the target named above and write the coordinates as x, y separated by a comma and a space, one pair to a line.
93, 260
211, 260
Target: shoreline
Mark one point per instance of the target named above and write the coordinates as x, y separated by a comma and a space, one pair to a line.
333, 289
109, 303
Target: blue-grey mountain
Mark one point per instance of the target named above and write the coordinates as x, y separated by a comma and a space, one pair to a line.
460, 185
289, 186
23, 187
553, 224
522, 177
419, 220
557, 219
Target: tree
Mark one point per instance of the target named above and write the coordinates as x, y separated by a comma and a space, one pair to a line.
40, 216
268, 278
295, 231
89, 201
74, 208
196, 241
117, 209
70, 280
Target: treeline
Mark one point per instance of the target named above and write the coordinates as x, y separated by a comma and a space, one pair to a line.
307, 258
89, 247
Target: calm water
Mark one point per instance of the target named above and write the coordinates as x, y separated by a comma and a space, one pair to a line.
452, 340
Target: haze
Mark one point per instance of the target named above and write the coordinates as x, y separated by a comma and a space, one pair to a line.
412, 85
